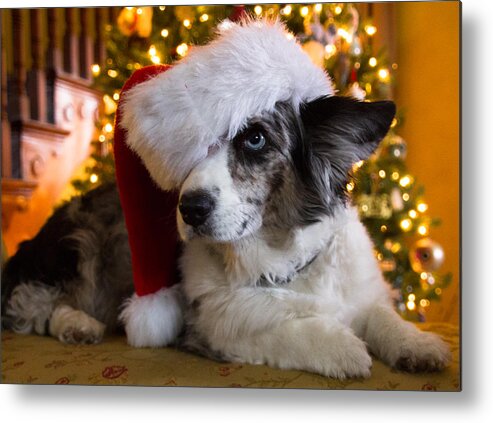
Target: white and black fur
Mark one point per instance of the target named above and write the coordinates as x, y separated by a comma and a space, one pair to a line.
276, 267
281, 271
70, 280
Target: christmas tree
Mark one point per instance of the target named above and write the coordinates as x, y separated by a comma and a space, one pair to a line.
390, 202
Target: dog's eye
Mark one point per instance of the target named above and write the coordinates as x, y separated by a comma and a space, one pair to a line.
254, 141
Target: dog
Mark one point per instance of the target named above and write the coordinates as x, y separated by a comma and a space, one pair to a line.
276, 268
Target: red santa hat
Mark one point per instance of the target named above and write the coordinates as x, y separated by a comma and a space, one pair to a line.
167, 120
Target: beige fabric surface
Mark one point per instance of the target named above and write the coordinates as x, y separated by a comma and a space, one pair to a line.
29, 359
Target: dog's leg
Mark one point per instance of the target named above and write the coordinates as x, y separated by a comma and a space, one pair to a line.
311, 344
74, 326
399, 343
29, 307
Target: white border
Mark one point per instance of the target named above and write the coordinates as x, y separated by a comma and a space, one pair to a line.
474, 404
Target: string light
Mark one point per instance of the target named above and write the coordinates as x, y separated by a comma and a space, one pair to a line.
372, 62
357, 165
93, 178
330, 49
258, 10
344, 34
304, 11
153, 53
96, 69
423, 275
411, 305
338, 10
317, 8
187, 24
164, 33
424, 303
411, 297
382, 173
350, 186
139, 11
116, 96
438, 291
395, 66
406, 224
286, 11
368, 88
396, 247
182, 49
413, 214
108, 128
405, 181
112, 73
161, 8
289, 35
370, 30
383, 74
204, 17
102, 138
422, 230
395, 176
422, 207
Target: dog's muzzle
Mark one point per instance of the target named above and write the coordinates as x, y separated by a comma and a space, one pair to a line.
196, 207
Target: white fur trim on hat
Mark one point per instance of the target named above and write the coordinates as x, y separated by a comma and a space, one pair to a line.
174, 118
153, 320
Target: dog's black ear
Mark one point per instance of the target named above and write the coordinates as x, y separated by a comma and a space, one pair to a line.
346, 126
338, 132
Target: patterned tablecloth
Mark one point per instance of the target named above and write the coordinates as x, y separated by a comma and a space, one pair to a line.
30, 359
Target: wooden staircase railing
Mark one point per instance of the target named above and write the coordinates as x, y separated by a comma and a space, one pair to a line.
48, 107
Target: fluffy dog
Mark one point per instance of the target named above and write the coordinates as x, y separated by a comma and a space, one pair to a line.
276, 267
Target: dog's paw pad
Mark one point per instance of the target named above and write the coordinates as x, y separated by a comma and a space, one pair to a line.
429, 354
72, 335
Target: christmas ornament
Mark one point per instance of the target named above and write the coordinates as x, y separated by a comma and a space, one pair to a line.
376, 206
396, 199
316, 51
426, 255
135, 20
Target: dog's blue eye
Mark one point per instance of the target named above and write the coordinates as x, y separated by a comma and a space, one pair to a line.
255, 141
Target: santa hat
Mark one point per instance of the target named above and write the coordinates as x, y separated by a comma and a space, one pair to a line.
167, 121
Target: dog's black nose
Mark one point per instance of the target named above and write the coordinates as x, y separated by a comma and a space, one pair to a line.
195, 207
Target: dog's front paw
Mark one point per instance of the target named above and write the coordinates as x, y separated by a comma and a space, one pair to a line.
342, 355
75, 327
424, 352
351, 360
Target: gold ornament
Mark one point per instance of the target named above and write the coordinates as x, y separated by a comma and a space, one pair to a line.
135, 20
426, 255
